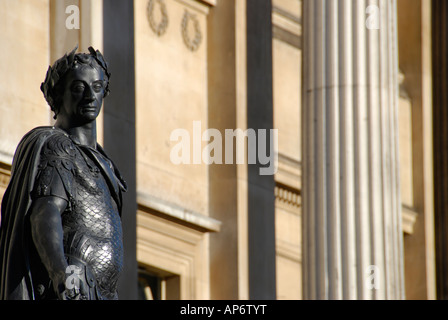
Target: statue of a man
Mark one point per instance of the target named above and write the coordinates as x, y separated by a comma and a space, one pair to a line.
61, 234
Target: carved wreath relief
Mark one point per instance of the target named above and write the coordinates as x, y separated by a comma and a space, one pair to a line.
161, 27
194, 42
190, 27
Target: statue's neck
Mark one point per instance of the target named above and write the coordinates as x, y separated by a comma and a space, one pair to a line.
84, 135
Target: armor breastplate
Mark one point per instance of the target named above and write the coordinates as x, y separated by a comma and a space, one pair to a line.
92, 225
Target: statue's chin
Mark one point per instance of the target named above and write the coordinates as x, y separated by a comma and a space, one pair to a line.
89, 116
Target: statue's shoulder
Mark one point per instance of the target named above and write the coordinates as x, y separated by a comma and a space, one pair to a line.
43, 146
58, 144
53, 142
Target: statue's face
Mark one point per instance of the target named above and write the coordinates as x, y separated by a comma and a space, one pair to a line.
83, 95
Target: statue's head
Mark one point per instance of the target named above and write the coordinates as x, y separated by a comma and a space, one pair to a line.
76, 79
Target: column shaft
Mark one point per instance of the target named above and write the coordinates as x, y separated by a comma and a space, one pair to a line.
352, 239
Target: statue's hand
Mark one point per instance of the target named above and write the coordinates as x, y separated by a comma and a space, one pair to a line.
70, 285
59, 280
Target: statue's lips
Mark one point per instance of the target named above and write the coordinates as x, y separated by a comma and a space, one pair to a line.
88, 108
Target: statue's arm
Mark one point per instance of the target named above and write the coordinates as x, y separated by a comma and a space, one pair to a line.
47, 235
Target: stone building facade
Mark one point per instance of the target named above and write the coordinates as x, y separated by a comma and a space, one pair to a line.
344, 98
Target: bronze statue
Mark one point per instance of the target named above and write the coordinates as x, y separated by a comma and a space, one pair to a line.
61, 234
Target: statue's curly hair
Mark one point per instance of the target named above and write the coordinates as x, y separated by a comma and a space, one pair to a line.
52, 87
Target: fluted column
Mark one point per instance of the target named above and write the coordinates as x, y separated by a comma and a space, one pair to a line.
352, 238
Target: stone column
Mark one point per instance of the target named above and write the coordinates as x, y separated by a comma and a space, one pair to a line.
352, 237
242, 254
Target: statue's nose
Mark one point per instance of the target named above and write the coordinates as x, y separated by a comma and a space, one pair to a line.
89, 95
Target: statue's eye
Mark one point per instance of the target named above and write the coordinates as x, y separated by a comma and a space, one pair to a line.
78, 88
97, 87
